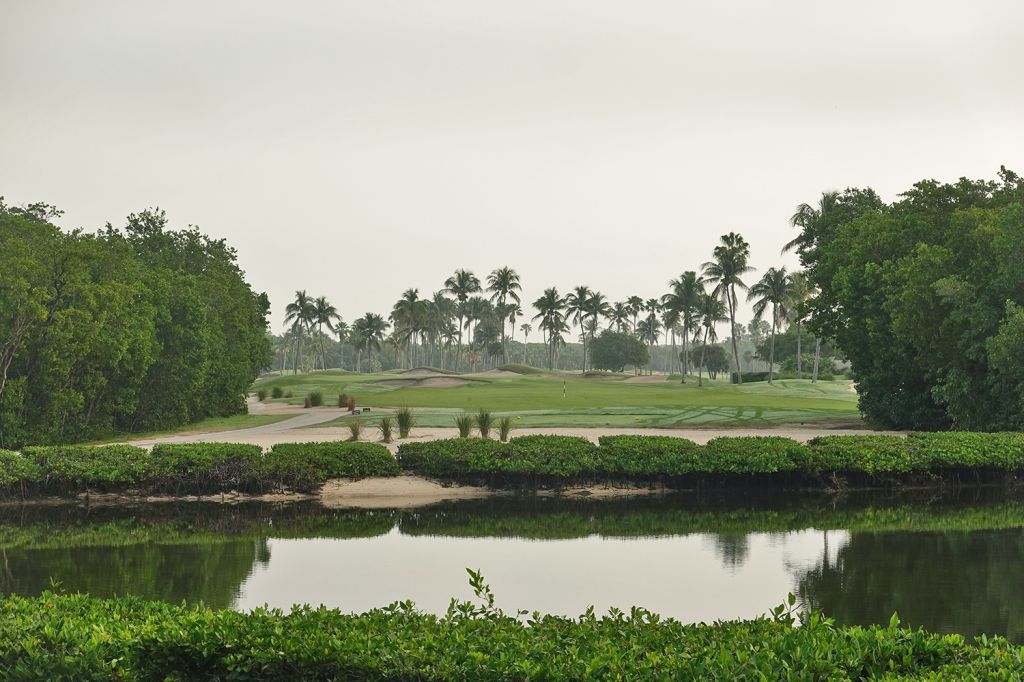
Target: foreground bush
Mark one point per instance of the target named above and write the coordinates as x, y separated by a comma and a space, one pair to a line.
305, 466
76, 468
204, 467
648, 455
77, 637
520, 459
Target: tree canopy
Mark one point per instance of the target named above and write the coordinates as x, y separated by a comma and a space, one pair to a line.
130, 329
923, 295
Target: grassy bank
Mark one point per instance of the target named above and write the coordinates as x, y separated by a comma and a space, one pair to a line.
77, 637
547, 399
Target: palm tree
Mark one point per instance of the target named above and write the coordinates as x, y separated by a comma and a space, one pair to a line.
711, 311
525, 328
513, 311
648, 330
370, 329
619, 316
808, 218
504, 286
635, 304
550, 309
461, 285
299, 313
596, 306
576, 305
324, 314
799, 295
440, 327
684, 297
772, 289
341, 330
726, 271
409, 316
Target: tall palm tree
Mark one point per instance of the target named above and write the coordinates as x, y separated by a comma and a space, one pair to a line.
808, 218
636, 305
525, 328
684, 297
371, 329
726, 271
324, 314
341, 330
440, 324
648, 330
711, 311
513, 311
799, 294
503, 283
409, 315
576, 306
619, 316
550, 309
460, 285
772, 289
595, 307
299, 314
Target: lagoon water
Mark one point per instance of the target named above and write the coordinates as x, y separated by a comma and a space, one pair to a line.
951, 563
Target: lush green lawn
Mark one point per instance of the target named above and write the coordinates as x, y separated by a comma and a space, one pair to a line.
554, 400
211, 425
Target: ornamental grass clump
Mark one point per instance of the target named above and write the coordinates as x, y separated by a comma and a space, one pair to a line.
261, 394
464, 423
276, 392
385, 428
343, 400
316, 398
483, 423
355, 427
405, 421
504, 428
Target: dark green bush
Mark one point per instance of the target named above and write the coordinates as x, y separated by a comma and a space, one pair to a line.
305, 466
861, 454
753, 455
77, 637
648, 455
261, 394
966, 450
16, 469
316, 398
521, 457
204, 467
76, 468
276, 392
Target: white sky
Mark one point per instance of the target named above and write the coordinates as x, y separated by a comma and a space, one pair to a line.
357, 149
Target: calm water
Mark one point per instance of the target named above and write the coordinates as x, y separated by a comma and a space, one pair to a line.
951, 564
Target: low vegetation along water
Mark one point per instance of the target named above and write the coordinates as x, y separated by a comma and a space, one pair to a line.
947, 562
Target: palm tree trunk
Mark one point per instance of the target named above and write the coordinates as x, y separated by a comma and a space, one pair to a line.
771, 347
700, 369
686, 352
458, 352
817, 354
799, 362
735, 348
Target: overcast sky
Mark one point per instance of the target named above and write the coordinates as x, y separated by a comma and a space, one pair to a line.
358, 149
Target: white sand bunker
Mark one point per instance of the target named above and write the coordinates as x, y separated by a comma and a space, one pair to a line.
648, 379
497, 373
396, 382
442, 382
422, 372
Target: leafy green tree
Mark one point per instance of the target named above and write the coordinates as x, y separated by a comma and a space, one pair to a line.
617, 350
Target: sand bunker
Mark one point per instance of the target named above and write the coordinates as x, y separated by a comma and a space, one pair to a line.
497, 373
392, 493
423, 372
441, 382
646, 379
396, 382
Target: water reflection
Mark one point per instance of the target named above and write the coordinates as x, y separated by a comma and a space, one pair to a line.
950, 563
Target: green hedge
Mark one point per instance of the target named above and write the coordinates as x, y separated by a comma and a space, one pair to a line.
74, 468
305, 466
205, 467
76, 637
677, 461
193, 468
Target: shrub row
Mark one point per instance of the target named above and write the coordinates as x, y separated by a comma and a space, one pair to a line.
193, 468
874, 459
54, 637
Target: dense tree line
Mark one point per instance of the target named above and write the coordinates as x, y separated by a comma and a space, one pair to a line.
129, 329
924, 296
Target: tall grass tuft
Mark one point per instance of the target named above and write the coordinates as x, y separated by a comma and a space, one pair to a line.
464, 422
504, 427
351, 405
385, 428
343, 400
405, 421
316, 398
355, 427
307, 402
483, 423
261, 394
